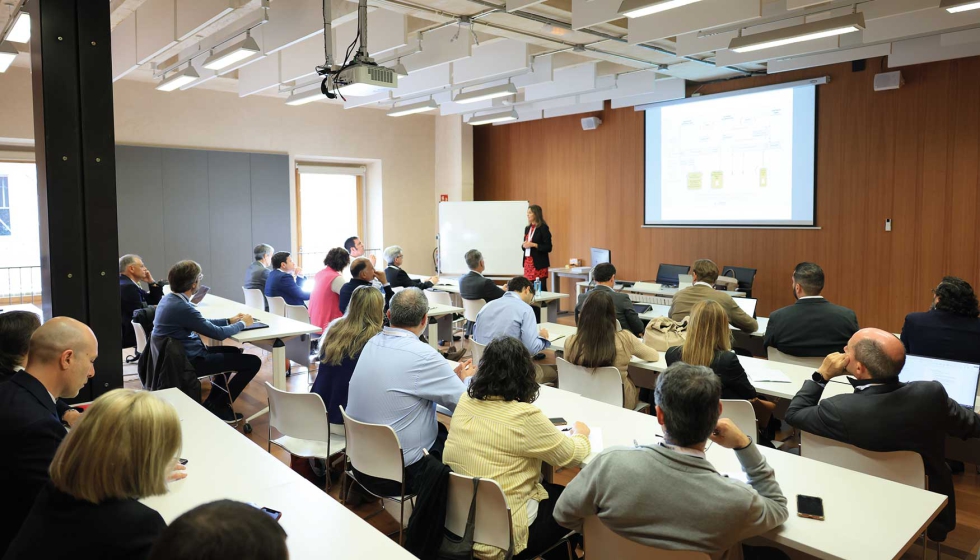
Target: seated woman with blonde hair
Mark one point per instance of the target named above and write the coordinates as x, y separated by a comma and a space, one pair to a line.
124, 448
601, 342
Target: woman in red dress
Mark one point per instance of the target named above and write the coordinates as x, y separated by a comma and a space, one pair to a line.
536, 246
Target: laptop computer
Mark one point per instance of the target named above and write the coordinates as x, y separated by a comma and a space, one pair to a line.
199, 294
960, 379
747, 304
642, 307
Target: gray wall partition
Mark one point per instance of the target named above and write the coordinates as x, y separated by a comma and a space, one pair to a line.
209, 206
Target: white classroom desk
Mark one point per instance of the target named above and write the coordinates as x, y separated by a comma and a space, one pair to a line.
23, 307
443, 328
223, 464
271, 339
547, 301
662, 311
850, 499
653, 289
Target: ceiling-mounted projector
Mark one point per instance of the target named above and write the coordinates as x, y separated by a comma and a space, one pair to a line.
362, 79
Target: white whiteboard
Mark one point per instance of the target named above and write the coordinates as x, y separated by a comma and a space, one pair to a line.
496, 229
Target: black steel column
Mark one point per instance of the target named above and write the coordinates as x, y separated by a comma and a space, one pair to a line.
71, 63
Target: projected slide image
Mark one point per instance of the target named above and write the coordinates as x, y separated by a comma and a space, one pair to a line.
729, 157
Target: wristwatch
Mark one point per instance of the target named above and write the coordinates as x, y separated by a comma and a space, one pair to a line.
817, 378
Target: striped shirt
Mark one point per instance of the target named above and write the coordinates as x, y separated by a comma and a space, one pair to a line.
507, 441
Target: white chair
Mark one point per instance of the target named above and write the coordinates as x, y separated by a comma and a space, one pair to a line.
277, 306
166, 289
603, 384
471, 308
777, 356
301, 418
296, 312
476, 350
374, 450
742, 415
903, 467
397, 289
493, 517
254, 298
140, 337
602, 543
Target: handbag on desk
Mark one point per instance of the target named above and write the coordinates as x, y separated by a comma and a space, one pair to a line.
663, 332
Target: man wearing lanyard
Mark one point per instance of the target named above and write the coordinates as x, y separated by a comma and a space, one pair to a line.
399, 380
668, 495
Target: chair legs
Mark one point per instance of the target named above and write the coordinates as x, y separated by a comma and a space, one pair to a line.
231, 403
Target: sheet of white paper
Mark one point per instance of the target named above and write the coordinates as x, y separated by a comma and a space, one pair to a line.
758, 374
595, 436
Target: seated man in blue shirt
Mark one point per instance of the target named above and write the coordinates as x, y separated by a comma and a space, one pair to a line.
179, 319
512, 315
398, 381
283, 281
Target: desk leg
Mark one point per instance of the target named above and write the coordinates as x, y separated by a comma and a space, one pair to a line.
433, 333
279, 365
445, 329
552, 307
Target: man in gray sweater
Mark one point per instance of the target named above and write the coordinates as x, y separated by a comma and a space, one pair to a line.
668, 495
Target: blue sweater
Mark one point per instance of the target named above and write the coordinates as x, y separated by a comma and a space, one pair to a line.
177, 318
282, 284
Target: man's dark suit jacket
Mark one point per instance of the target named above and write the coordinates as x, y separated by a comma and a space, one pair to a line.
61, 406
474, 285
112, 530
943, 335
810, 328
31, 430
347, 290
398, 278
625, 312
893, 416
132, 298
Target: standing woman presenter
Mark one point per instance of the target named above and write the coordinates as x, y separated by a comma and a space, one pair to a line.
537, 245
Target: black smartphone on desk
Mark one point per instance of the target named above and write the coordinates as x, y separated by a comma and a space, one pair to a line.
810, 507
558, 421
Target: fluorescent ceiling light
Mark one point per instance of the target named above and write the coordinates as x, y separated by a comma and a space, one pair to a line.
413, 108
640, 8
486, 93
305, 94
359, 89
179, 79
236, 52
21, 30
504, 116
957, 6
798, 33
7, 55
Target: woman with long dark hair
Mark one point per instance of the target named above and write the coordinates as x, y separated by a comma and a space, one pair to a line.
600, 342
498, 434
536, 246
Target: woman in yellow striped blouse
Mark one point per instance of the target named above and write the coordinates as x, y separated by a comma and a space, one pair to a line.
497, 433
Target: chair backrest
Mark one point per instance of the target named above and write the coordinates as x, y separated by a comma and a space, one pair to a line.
397, 289
603, 384
904, 467
471, 307
742, 414
140, 337
783, 358
297, 313
298, 415
374, 449
493, 525
254, 298
745, 276
166, 289
438, 298
277, 306
604, 544
477, 350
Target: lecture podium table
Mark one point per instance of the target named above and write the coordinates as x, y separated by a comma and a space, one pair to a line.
850, 498
549, 302
224, 464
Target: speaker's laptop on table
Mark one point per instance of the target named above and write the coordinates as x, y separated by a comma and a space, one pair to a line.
667, 274
960, 379
599, 256
747, 304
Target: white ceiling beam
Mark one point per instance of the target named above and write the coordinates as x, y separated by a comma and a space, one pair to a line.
364, 100
799, 4
259, 76
928, 49
917, 23
386, 32
960, 37
439, 47
291, 22
524, 114
694, 17
635, 83
541, 72
586, 13
154, 29
513, 5
194, 15
572, 79
492, 58
300, 60
576, 109
667, 90
825, 59
877, 9
124, 48
689, 44
430, 79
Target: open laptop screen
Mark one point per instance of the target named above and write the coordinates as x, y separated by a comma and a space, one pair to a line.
958, 378
747, 304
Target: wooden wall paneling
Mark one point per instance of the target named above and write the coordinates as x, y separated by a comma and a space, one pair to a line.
961, 220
